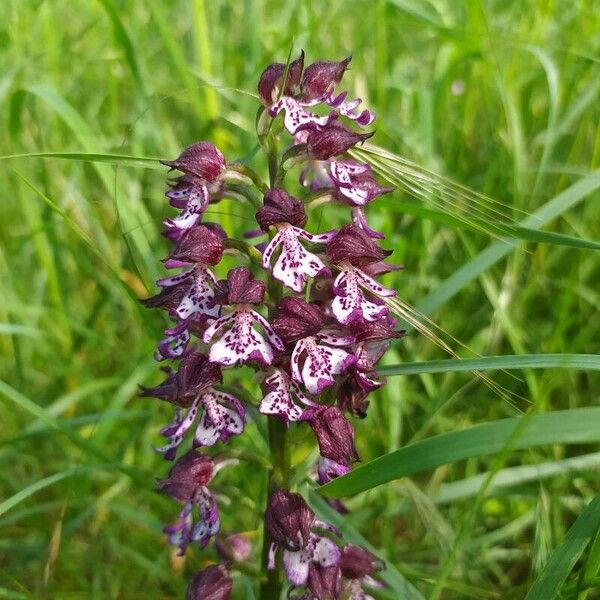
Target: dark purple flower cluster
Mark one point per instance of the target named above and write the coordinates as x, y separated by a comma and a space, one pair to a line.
317, 347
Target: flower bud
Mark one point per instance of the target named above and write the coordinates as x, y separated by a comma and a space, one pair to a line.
297, 319
234, 547
357, 562
214, 583
353, 245
201, 159
191, 471
332, 140
335, 435
271, 79
321, 78
280, 207
289, 520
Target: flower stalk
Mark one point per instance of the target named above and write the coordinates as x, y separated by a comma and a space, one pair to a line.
314, 351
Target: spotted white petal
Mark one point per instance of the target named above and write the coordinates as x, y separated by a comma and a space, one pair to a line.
196, 204
295, 264
350, 304
198, 300
279, 401
223, 418
241, 343
372, 285
295, 116
172, 346
209, 523
296, 566
321, 364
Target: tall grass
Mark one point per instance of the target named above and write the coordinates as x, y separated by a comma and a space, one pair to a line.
491, 111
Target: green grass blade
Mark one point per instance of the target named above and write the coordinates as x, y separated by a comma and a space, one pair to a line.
491, 363
122, 160
563, 559
567, 199
577, 426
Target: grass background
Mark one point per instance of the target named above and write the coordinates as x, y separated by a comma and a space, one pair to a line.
500, 96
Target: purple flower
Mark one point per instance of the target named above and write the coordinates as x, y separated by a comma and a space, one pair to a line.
321, 78
332, 140
194, 375
241, 343
357, 566
191, 390
288, 520
315, 363
354, 246
324, 583
295, 264
290, 523
214, 583
271, 80
187, 483
335, 435
328, 470
203, 166
354, 182
315, 358
283, 397
350, 304
315, 86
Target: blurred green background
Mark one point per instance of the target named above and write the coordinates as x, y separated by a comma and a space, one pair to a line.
500, 96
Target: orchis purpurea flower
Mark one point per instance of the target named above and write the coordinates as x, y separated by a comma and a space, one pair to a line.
296, 89
317, 356
313, 329
352, 249
214, 583
187, 483
295, 265
191, 390
241, 342
292, 526
203, 167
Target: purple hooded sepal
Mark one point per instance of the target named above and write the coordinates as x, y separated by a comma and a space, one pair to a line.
271, 80
279, 207
240, 287
192, 471
335, 435
353, 245
213, 583
198, 245
321, 78
202, 160
332, 140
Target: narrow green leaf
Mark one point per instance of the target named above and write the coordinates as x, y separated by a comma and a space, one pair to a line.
563, 559
587, 362
577, 426
123, 160
567, 199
